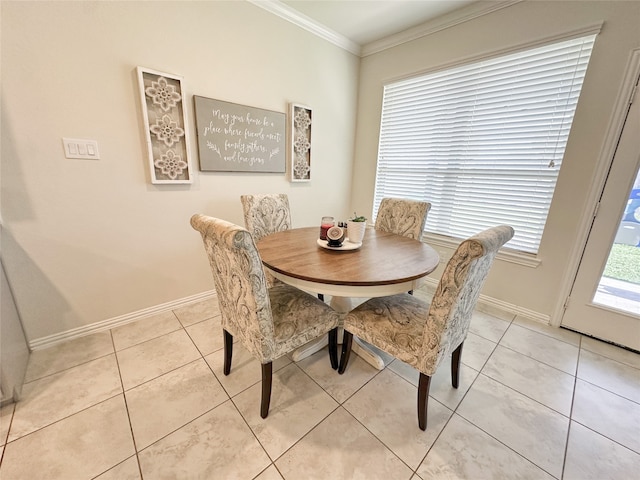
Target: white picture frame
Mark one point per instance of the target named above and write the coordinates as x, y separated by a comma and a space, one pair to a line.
300, 125
165, 122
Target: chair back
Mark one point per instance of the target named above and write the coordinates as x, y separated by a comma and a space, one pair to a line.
457, 293
266, 214
240, 283
402, 217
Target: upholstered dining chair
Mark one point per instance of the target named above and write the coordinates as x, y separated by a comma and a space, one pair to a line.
265, 214
269, 322
402, 216
423, 334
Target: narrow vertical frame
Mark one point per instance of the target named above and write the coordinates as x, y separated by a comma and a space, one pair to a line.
165, 124
300, 125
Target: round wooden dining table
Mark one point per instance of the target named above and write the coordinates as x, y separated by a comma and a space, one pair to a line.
385, 264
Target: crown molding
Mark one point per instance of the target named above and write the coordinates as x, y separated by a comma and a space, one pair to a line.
284, 11
441, 23
446, 21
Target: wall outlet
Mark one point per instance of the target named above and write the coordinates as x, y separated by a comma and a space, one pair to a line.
81, 148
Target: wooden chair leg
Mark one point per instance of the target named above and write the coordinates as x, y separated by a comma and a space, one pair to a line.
333, 348
267, 369
347, 340
455, 365
423, 400
228, 351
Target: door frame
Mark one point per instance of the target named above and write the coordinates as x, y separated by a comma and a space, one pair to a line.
605, 160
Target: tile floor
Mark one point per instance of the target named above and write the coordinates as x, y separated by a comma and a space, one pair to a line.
149, 400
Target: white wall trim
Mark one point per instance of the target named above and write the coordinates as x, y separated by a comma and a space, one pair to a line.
614, 130
51, 340
484, 302
488, 304
441, 23
291, 15
451, 19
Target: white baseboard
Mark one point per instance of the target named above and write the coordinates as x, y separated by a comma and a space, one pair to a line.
485, 303
51, 340
489, 304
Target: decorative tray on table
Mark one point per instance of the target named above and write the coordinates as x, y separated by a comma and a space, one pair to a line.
346, 245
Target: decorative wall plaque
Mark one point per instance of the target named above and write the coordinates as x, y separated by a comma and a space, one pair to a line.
165, 124
300, 142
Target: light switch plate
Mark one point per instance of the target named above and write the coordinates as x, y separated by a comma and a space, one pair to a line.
81, 148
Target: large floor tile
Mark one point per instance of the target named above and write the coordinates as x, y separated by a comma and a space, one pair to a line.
609, 414
6, 415
207, 335
340, 387
440, 388
558, 333
590, 456
297, 405
216, 445
127, 470
386, 406
168, 402
488, 326
465, 452
341, 449
609, 374
532, 378
198, 311
545, 349
611, 351
534, 431
476, 351
68, 354
78, 447
270, 473
148, 360
57, 396
245, 369
144, 329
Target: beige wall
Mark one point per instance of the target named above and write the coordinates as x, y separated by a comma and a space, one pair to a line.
87, 241
533, 289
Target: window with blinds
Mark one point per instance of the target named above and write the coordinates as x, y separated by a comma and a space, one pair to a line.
483, 142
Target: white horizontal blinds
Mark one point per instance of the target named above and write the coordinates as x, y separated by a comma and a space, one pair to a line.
483, 142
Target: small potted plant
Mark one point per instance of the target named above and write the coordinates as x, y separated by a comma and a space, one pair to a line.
356, 227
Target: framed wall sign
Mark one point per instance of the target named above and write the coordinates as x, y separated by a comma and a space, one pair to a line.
164, 113
239, 138
300, 142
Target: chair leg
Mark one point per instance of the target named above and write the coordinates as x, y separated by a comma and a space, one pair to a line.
423, 400
267, 369
347, 340
333, 348
455, 365
321, 296
228, 351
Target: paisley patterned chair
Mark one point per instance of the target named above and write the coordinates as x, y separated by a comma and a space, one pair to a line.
402, 217
266, 214
423, 334
269, 322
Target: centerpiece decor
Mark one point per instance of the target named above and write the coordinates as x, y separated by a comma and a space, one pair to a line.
356, 227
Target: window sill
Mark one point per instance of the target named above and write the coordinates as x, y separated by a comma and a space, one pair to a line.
505, 254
